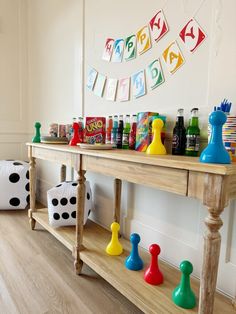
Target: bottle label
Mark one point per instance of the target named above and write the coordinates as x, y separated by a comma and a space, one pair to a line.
119, 139
114, 138
175, 141
193, 143
125, 140
132, 141
108, 137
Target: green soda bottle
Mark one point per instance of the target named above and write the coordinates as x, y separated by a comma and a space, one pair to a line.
126, 132
193, 135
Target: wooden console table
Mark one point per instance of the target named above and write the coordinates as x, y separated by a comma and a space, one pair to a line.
213, 184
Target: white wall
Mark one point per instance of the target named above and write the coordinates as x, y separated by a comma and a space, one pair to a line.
13, 80
55, 94
54, 37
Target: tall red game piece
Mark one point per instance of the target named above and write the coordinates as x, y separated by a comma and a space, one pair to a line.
75, 139
153, 275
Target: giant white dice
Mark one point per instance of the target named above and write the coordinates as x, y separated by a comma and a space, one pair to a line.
62, 204
14, 184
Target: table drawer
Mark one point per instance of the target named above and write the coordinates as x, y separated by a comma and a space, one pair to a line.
163, 178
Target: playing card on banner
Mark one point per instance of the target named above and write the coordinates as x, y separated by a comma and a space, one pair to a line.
118, 50
123, 89
173, 57
192, 35
92, 75
100, 84
158, 26
111, 89
154, 74
130, 48
108, 49
139, 86
143, 40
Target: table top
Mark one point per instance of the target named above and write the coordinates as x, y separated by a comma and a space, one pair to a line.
170, 161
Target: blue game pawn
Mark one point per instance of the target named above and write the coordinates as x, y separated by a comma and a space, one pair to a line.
215, 152
133, 261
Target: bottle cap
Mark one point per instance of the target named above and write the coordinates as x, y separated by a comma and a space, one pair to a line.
180, 112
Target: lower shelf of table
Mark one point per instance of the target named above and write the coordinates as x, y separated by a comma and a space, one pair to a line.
150, 299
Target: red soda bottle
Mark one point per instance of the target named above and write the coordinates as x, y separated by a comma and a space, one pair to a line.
109, 126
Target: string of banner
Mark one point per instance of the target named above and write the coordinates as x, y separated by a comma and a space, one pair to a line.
118, 50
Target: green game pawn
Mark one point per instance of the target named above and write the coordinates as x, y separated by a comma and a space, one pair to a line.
183, 295
37, 137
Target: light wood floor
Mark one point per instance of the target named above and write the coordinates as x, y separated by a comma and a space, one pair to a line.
37, 277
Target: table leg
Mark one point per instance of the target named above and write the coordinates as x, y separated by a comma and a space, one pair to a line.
79, 221
63, 173
215, 198
32, 178
234, 303
117, 192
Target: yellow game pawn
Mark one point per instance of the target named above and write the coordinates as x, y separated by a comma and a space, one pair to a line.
156, 147
114, 247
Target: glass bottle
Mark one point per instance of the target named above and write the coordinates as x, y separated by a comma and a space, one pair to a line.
109, 125
120, 132
114, 131
193, 135
179, 135
126, 132
132, 135
81, 129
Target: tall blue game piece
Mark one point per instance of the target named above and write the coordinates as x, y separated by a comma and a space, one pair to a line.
133, 261
215, 152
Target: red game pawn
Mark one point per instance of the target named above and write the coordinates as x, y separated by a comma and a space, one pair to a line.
153, 275
75, 139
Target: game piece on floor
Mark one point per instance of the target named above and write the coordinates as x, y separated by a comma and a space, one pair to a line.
183, 295
114, 247
133, 261
75, 138
216, 152
153, 275
37, 138
156, 147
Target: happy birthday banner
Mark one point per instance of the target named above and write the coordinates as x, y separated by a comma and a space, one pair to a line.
191, 35
116, 50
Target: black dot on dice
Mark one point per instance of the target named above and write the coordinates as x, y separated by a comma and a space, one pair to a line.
27, 187
54, 202
14, 201
27, 174
56, 216
14, 177
65, 215
57, 186
73, 200
89, 212
28, 199
64, 201
74, 184
73, 214
88, 196
16, 163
